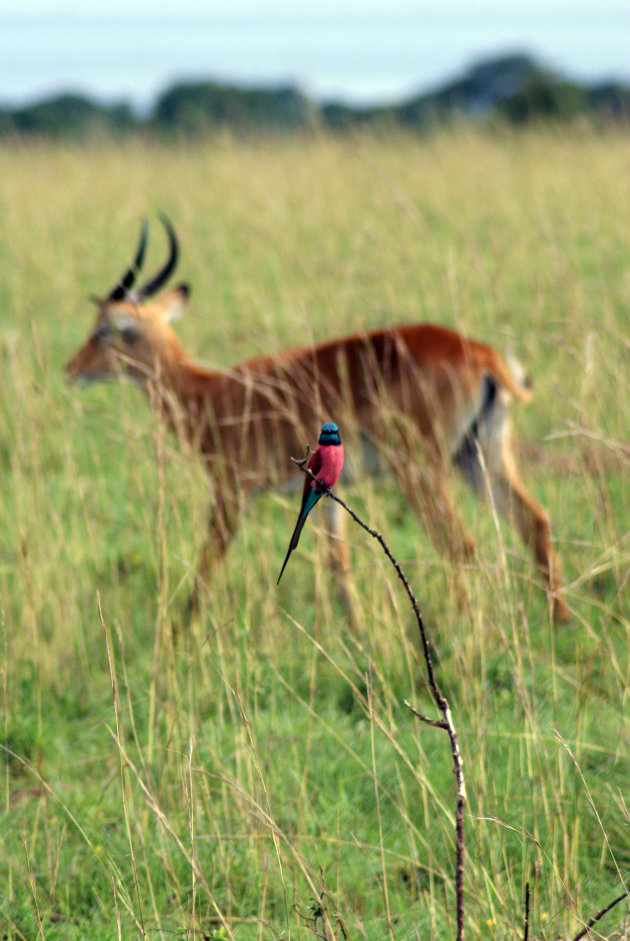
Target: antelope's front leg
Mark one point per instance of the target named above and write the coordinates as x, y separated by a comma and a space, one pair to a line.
222, 524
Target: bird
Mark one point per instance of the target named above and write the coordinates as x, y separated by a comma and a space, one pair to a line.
326, 463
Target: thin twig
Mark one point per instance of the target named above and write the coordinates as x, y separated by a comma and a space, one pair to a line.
526, 932
437, 723
446, 722
593, 921
302, 461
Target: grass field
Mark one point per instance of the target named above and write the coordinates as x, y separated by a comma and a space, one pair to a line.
259, 777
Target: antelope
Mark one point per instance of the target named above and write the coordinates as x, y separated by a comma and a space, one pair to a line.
420, 397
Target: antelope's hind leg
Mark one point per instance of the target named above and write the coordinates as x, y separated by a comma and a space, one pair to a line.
490, 435
532, 521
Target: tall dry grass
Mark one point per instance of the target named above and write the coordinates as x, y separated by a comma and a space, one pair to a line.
258, 776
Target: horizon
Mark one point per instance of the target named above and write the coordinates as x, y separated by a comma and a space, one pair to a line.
371, 57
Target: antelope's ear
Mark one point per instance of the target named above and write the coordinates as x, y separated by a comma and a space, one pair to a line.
173, 303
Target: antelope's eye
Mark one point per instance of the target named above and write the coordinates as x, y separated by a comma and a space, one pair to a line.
130, 334
102, 332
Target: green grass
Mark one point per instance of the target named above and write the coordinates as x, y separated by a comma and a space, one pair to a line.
217, 785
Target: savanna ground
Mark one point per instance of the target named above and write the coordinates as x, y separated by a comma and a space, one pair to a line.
263, 767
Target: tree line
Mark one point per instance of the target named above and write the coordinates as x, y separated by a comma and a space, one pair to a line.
513, 88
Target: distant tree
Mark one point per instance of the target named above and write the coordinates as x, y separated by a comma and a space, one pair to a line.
71, 116
474, 94
6, 122
341, 117
610, 100
202, 107
544, 97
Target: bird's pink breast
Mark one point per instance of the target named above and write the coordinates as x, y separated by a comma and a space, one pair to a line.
332, 463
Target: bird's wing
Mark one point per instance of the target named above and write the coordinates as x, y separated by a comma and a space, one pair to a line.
310, 497
315, 462
314, 465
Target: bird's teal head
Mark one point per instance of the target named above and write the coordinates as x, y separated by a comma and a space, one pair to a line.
330, 434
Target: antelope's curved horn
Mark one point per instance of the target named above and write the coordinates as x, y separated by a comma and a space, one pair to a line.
120, 291
164, 273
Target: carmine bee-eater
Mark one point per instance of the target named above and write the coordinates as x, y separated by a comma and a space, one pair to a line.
326, 463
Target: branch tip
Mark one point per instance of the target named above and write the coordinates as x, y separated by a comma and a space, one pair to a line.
437, 723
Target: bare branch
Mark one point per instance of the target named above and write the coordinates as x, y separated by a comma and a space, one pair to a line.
302, 462
437, 723
526, 932
593, 921
446, 723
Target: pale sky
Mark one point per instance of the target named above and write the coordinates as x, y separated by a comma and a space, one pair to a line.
312, 7
357, 50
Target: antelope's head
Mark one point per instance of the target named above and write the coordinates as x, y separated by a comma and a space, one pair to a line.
132, 336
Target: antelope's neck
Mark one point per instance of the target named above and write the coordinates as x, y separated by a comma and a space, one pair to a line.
182, 391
